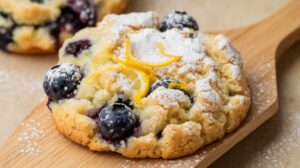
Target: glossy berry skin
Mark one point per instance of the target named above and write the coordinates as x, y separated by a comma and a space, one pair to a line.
178, 19
61, 81
117, 122
75, 48
6, 32
164, 82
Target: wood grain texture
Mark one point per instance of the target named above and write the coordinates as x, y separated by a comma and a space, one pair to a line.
259, 44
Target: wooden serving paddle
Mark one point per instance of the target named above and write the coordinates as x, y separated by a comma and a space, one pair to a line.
37, 143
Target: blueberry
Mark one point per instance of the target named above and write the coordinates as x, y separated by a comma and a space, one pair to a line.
61, 81
178, 19
6, 30
37, 1
117, 121
75, 48
77, 15
164, 82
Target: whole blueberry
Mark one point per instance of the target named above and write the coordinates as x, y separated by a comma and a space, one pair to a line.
75, 48
61, 81
6, 30
178, 19
164, 82
37, 1
117, 121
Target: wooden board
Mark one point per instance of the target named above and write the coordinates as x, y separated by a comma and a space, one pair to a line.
259, 44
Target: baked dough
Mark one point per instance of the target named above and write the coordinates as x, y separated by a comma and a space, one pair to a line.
126, 55
41, 26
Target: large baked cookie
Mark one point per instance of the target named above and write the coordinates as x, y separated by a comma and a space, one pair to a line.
145, 88
41, 26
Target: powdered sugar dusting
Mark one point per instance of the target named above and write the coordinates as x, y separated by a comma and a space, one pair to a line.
169, 97
28, 140
124, 22
223, 43
235, 72
147, 19
205, 91
176, 163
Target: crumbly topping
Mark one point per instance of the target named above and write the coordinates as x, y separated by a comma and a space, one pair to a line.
208, 67
123, 23
223, 43
169, 97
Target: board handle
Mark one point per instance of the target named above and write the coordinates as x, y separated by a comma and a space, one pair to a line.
283, 27
287, 26
274, 34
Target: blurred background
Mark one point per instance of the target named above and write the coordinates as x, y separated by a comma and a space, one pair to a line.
275, 144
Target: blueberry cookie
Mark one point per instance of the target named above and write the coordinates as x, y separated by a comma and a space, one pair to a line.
147, 88
41, 26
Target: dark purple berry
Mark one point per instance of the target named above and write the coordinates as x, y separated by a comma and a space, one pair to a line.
61, 81
117, 122
77, 15
75, 48
37, 1
6, 30
178, 19
164, 82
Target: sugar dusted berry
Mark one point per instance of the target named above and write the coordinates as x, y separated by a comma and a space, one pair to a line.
164, 82
61, 81
178, 19
117, 121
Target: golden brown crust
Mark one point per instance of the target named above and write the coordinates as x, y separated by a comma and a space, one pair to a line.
31, 40
172, 125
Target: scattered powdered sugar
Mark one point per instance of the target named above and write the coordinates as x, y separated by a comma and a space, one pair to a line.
122, 23
69, 71
28, 140
144, 45
178, 19
223, 43
235, 71
205, 90
175, 163
203, 85
209, 118
146, 19
169, 97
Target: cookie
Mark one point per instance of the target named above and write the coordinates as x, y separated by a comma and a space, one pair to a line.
41, 26
147, 88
